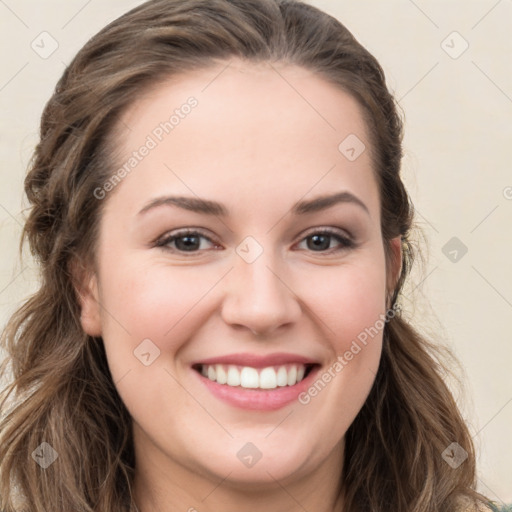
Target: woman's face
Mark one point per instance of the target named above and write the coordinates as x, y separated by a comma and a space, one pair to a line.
208, 334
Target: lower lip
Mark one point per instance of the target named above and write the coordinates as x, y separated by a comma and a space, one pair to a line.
258, 399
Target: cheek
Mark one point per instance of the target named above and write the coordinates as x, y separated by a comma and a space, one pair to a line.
167, 304
151, 302
347, 299
350, 301
159, 304
361, 302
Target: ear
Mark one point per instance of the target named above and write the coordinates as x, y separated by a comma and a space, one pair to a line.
395, 267
86, 286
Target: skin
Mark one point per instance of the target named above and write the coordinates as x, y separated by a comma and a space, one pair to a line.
256, 145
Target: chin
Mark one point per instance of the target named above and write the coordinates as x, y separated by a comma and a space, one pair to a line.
257, 460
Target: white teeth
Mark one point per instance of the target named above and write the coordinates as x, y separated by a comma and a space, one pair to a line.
248, 377
282, 377
292, 376
268, 378
233, 376
222, 376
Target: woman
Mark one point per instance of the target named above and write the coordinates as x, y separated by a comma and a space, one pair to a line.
223, 236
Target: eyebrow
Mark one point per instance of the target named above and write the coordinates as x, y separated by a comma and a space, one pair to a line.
198, 205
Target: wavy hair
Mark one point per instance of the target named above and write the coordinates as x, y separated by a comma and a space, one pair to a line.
60, 390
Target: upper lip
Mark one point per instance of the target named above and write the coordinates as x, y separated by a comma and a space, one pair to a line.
258, 361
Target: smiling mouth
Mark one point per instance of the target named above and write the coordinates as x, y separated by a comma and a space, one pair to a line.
270, 377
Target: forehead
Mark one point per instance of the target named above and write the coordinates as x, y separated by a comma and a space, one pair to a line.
253, 94
264, 128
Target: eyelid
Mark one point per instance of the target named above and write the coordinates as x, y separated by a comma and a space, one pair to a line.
329, 230
345, 237
164, 239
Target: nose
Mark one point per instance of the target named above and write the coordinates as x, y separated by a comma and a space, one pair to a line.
258, 297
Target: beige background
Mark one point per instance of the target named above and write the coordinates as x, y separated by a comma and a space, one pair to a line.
458, 142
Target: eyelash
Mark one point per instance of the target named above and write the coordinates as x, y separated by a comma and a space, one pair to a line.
163, 242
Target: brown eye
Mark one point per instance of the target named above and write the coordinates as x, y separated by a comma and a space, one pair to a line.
320, 241
184, 241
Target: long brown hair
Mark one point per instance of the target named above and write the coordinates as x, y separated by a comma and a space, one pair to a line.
61, 391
